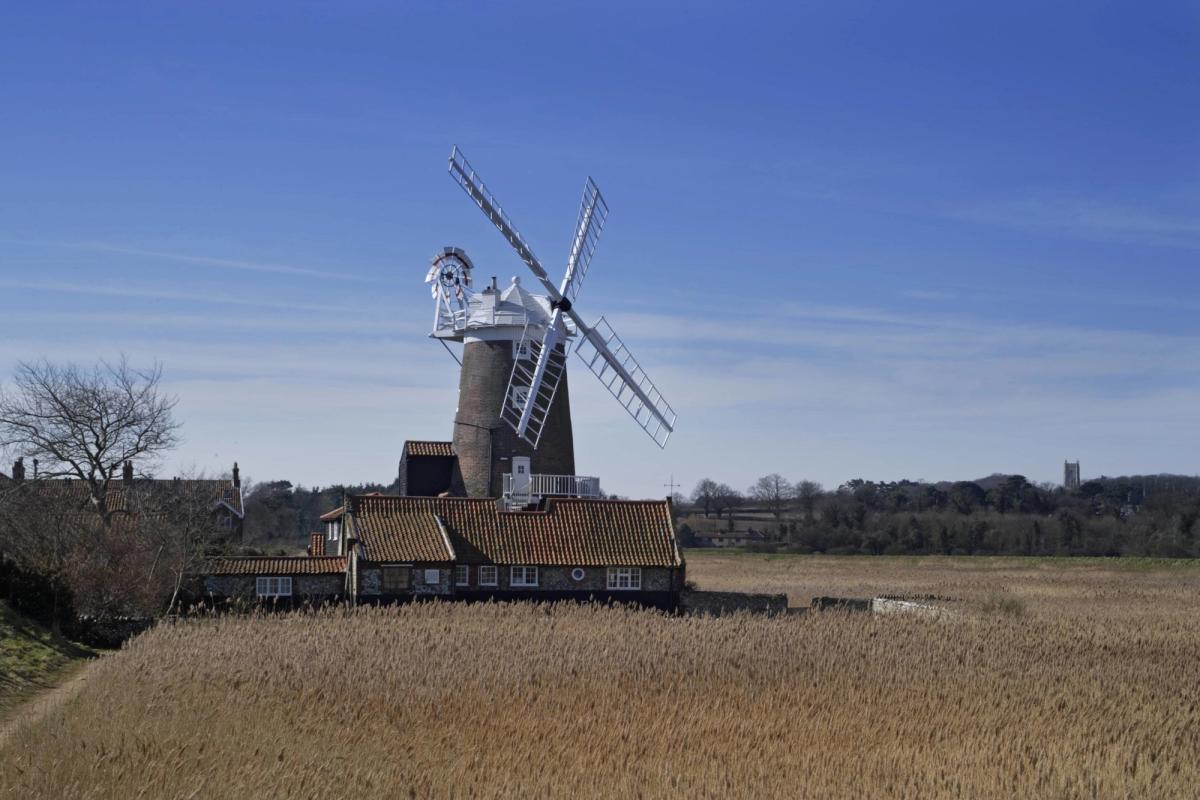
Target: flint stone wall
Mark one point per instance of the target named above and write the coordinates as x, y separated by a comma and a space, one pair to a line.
717, 603
245, 586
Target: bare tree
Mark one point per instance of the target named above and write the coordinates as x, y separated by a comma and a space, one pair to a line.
87, 424
807, 492
725, 498
703, 495
42, 536
178, 531
773, 491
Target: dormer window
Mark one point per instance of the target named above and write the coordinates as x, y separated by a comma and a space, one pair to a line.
334, 530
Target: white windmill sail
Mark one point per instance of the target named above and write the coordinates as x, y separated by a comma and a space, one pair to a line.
610, 360
534, 382
593, 212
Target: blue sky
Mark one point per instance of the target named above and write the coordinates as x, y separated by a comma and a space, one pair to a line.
849, 239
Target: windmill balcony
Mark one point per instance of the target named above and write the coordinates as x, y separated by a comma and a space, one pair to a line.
524, 490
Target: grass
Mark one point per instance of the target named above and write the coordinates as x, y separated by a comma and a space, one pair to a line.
1088, 691
32, 658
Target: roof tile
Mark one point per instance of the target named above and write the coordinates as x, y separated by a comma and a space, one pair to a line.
443, 449
275, 565
571, 531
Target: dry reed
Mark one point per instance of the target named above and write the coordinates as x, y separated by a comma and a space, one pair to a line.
575, 701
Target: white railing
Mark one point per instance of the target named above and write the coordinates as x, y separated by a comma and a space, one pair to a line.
449, 320
525, 491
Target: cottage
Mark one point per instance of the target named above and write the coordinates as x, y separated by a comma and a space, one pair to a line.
393, 548
283, 580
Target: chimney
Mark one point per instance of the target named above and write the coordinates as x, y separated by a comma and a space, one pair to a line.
316, 545
237, 476
18, 470
127, 472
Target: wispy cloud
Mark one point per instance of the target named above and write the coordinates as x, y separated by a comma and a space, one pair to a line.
1086, 219
201, 260
92, 290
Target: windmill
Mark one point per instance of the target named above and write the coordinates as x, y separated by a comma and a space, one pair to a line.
523, 387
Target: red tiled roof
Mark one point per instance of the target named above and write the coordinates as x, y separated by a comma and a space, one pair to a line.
571, 531
444, 449
275, 565
336, 514
399, 529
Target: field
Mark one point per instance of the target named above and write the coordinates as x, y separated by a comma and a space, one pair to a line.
1052, 679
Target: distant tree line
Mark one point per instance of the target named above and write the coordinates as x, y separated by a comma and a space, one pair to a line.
1153, 515
282, 515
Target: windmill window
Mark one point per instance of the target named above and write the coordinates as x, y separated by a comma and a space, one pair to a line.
521, 351
273, 587
523, 576
624, 578
487, 575
520, 395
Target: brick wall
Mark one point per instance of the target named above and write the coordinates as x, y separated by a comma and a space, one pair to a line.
486, 445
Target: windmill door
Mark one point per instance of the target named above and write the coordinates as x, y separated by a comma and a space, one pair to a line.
520, 476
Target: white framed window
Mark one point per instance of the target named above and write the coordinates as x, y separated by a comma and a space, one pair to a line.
521, 351
462, 575
523, 576
520, 394
624, 577
273, 587
335, 530
487, 575
433, 576
578, 574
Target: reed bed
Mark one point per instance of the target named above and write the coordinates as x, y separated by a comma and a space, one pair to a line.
449, 700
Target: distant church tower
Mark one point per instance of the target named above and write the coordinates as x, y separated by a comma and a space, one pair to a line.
1071, 475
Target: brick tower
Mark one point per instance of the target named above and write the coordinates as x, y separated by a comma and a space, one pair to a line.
484, 443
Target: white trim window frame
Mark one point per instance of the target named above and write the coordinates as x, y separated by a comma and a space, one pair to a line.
462, 575
520, 350
624, 578
273, 586
432, 576
520, 576
489, 575
520, 396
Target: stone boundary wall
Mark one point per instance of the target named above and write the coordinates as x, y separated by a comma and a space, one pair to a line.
718, 603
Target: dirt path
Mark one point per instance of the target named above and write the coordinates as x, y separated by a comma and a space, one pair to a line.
43, 703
